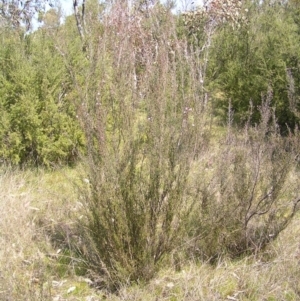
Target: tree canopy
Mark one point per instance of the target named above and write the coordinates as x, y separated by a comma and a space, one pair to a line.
247, 52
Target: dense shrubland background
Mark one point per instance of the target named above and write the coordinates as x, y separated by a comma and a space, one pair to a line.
135, 141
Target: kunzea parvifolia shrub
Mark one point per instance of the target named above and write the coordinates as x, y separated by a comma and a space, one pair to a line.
144, 117
249, 193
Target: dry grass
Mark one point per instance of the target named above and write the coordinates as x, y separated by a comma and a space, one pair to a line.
273, 275
34, 205
32, 268
22, 266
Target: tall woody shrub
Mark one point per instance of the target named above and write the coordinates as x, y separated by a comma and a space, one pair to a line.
143, 104
142, 109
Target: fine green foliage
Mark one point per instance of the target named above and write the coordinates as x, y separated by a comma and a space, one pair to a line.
261, 54
38, 124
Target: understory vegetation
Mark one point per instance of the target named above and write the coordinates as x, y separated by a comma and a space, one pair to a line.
148, 155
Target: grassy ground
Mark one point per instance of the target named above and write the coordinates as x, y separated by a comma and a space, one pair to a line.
38, 208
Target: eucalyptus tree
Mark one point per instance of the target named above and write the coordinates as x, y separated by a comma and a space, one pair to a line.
18, 13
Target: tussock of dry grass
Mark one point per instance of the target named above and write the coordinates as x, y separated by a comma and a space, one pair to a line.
31, 205
31, 268
21, 261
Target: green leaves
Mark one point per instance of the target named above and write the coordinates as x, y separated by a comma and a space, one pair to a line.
38, 124
247, 61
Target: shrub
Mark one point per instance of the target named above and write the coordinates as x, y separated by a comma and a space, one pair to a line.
248, 196
38, 124
246, 60
144, 110
144, 120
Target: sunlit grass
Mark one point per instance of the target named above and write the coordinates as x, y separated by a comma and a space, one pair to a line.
36, 204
